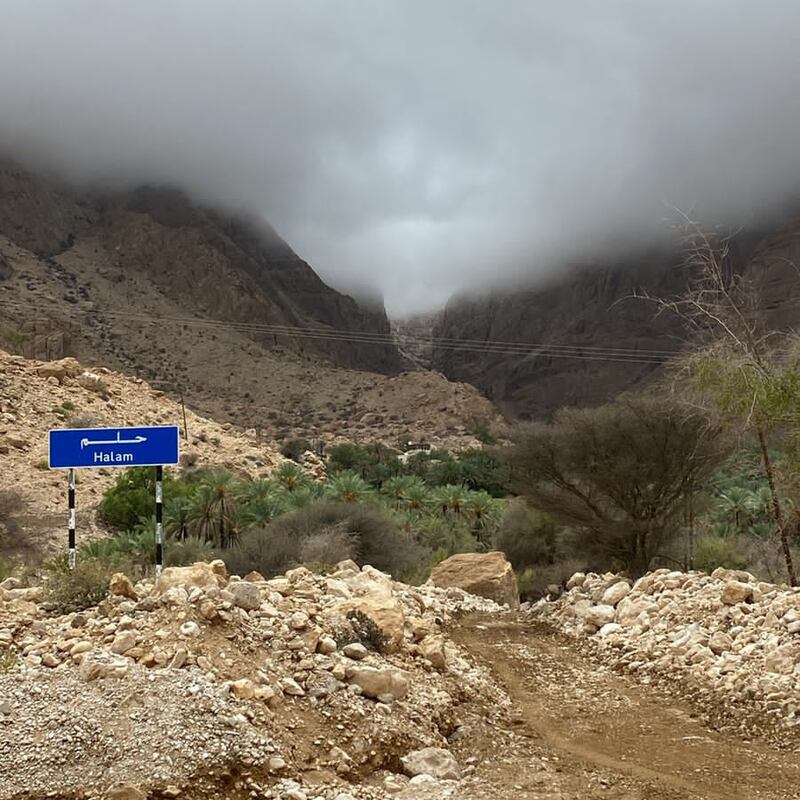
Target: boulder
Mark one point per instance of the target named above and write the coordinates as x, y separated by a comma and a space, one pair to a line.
96, 666
124, 791
720, 642
92, 382
487, 575
599, 615
576, 580
123, 641
615, 593
736, 592
246, 595
61, 369
356, 651
376, 682
199, 574
385, 612
434, 761
120, 585
432, 648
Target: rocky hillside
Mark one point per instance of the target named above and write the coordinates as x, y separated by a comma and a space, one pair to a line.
151, 286
122, 253
591, 309
36, 396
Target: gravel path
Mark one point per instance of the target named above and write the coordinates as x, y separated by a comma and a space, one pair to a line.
609, 736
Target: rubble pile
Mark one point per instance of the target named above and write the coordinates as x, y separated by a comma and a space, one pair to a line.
203, 685
37, 396
731, 642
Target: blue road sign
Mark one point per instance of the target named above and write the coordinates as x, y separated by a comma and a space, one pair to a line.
113, 447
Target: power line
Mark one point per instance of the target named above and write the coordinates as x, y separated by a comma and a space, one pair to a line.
368, 336
490, 347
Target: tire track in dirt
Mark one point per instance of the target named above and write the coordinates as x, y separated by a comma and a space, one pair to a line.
593, 718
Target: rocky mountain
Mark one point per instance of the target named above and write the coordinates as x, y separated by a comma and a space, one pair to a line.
618, 341
207, 263
215, 307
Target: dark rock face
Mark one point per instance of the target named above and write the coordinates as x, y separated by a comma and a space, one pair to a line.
207, 263
593, 308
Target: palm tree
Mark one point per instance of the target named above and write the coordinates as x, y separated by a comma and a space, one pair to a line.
291, 476
176, 517
485, 513
250, 491
212, 512
304, 495
396, 489
449, 499
417, 497
262, 510
736, 504
348, 487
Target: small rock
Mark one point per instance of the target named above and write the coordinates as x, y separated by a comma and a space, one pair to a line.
356, 651
246, 595
120, 585
433, 761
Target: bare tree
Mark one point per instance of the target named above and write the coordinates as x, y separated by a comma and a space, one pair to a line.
739, 367
621, 473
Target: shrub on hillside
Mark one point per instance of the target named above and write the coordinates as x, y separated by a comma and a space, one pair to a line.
712, 551
182, 553
78, 589
266, 551
12, 504
374, 463
293, 449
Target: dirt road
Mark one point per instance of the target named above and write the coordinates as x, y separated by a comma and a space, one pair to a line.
578, 730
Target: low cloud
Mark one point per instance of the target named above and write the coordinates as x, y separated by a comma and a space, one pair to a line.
417, 147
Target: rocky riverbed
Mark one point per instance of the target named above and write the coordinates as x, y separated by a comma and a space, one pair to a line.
727, 641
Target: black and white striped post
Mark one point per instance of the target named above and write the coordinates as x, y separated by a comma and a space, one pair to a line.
71, 524
159, 519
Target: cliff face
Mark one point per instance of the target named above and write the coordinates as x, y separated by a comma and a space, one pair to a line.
154, 286
593, 308
203, 263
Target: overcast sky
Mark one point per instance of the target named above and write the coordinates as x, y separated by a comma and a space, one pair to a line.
419, 146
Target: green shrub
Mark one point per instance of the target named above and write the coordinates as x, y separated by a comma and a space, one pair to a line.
80, 588
527, 537
374, 463
324, 533
266, 551
711, 552
181, 553
12, 503
323, 551
132, 497
6, 569
481, 430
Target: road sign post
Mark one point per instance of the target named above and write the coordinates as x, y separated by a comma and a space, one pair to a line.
72, 448
159, 518
71, 504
